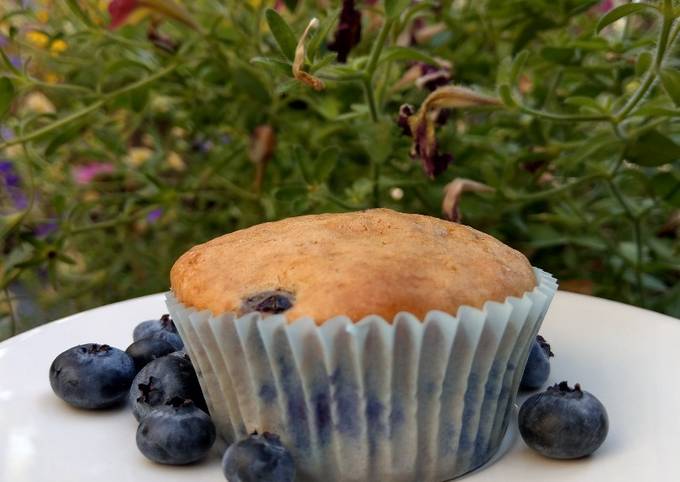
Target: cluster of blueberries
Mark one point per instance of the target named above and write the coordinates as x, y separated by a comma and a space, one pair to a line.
159, 380
562, 422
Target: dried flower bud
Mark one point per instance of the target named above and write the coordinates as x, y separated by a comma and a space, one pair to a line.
262, 145
299, 61
453, 192
348, 33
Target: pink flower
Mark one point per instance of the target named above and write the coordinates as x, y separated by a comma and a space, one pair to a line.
86, 173
605, 6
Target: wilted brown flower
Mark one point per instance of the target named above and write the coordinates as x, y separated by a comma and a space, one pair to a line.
425, 76
421, 125
299, 60
348, 33
453, 192
261, 149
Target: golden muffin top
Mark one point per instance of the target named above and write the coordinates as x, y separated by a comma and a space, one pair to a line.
355, 264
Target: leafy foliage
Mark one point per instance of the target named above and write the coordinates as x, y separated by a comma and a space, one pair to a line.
122, 148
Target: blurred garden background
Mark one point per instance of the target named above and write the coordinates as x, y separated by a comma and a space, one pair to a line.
134, 129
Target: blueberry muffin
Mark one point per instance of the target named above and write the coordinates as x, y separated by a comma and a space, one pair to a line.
378, 345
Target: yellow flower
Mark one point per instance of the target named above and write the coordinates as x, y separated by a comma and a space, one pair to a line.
175, 161
37, 102
43, 16
38, 39
138, 156
52, 78
90, 196
58, 46
178, 132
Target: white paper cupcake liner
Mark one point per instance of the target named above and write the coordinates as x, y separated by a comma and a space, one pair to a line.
405, 401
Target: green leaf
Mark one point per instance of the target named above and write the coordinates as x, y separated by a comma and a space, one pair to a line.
653, 149
247, 80
406, 53
643, 63
282, 33
291, 4
282, 66
517, 65
325, 61
6, 95
291, 192
587, 102
325, 163
8, 222
654, 110
74, 6
620, 12
393, 8
670, 78
321, 33
505, 93
62, 138
560, 55
8, 63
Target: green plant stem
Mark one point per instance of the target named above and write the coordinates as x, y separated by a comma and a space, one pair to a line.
367, 83
370, 99
652, 74
637, 233
341, 203
377, 47
87, 110
35, 82
551, 192
565, 117
10, 308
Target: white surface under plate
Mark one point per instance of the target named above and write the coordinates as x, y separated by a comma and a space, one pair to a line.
628, 357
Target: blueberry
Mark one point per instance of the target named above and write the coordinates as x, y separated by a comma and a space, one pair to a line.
269, 302
148, 349
92, 376
164, 328
163, 379
537, 370
563, 422
176, 433
258, 458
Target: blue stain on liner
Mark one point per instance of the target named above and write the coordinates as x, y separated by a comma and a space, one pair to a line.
290, 388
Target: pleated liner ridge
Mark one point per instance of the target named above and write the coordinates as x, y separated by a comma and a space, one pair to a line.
369, 401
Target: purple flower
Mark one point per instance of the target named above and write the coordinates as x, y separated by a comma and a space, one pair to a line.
11, 184
86, 173
348, 33
6, 133
16, 61
43, 230
4, 41
154, 215
9, 175
202, 146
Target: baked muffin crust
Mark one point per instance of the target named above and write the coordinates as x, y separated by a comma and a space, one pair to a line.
356, 264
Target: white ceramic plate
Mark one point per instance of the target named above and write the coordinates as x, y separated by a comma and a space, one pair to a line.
628, 357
